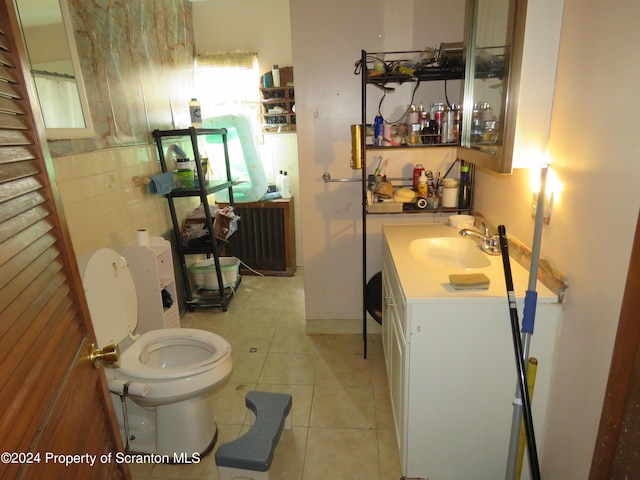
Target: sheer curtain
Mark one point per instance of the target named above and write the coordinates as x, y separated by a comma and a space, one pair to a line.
227, 83
59, 100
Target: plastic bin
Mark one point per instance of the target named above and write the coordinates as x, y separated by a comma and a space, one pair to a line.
204, 272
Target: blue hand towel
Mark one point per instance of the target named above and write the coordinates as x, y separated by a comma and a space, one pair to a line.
162, 183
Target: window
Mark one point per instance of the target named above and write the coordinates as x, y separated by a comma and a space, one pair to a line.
227, 83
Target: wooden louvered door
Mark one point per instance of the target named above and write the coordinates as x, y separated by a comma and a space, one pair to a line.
52, 400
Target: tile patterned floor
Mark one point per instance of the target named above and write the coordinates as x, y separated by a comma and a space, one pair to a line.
342, 423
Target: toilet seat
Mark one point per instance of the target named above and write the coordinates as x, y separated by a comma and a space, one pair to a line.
111, 296
144, 359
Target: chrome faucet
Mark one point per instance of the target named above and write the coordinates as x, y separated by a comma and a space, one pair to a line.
490, 244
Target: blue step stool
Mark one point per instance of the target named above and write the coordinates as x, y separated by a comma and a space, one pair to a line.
251, 455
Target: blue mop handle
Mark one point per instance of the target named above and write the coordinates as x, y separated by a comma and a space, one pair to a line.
529, 314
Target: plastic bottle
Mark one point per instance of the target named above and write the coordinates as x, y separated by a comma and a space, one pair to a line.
423, 186
186, 172
279, 181
464, 190
286, 186
196, 113
275, 73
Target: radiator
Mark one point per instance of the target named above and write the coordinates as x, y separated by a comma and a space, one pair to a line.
265, 240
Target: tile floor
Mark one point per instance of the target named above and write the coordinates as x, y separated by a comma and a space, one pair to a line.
342, 423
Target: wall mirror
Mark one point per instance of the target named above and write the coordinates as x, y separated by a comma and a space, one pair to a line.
48, 33
491, 80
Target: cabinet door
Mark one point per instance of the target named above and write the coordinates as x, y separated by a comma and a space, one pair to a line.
511, 58
395, 351
462, 378
387, 325
397, 384
491, 77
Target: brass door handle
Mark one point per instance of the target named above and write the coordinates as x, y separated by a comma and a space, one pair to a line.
109, 354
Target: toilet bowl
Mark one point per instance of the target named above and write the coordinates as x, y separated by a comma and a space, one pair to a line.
170, 373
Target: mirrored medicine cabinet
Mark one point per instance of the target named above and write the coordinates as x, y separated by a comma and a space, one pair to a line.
48, 34
511, 49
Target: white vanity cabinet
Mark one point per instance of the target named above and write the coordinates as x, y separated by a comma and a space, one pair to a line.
152, 270
451, 366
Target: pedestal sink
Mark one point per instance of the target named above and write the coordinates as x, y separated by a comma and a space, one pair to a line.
456, 252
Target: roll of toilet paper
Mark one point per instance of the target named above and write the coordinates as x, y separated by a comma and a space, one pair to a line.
142, 237
116, 385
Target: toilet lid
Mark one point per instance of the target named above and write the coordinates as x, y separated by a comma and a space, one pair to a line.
111, 296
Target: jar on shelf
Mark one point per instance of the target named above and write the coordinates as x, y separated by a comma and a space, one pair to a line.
450, 192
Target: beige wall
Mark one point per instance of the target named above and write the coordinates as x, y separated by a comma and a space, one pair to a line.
593, 223
326, 46
255, 25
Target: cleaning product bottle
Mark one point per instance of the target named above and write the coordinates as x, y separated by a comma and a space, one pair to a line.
196, 113
286, 186
464, 190
423, 187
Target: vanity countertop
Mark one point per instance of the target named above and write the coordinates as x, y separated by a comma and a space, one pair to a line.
421, 283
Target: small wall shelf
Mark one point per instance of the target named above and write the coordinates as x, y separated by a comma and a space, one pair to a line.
281, 99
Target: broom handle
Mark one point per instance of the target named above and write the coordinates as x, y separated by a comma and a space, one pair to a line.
517, 345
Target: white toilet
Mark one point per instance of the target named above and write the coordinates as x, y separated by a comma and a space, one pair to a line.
172, 372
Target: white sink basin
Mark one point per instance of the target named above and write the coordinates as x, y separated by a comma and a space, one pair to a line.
452, 252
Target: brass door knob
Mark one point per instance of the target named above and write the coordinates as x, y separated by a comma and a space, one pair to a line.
109, 354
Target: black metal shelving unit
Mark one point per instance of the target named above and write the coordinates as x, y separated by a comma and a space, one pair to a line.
429, 73
211, 247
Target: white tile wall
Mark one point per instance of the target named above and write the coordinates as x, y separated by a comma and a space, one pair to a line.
103, 206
